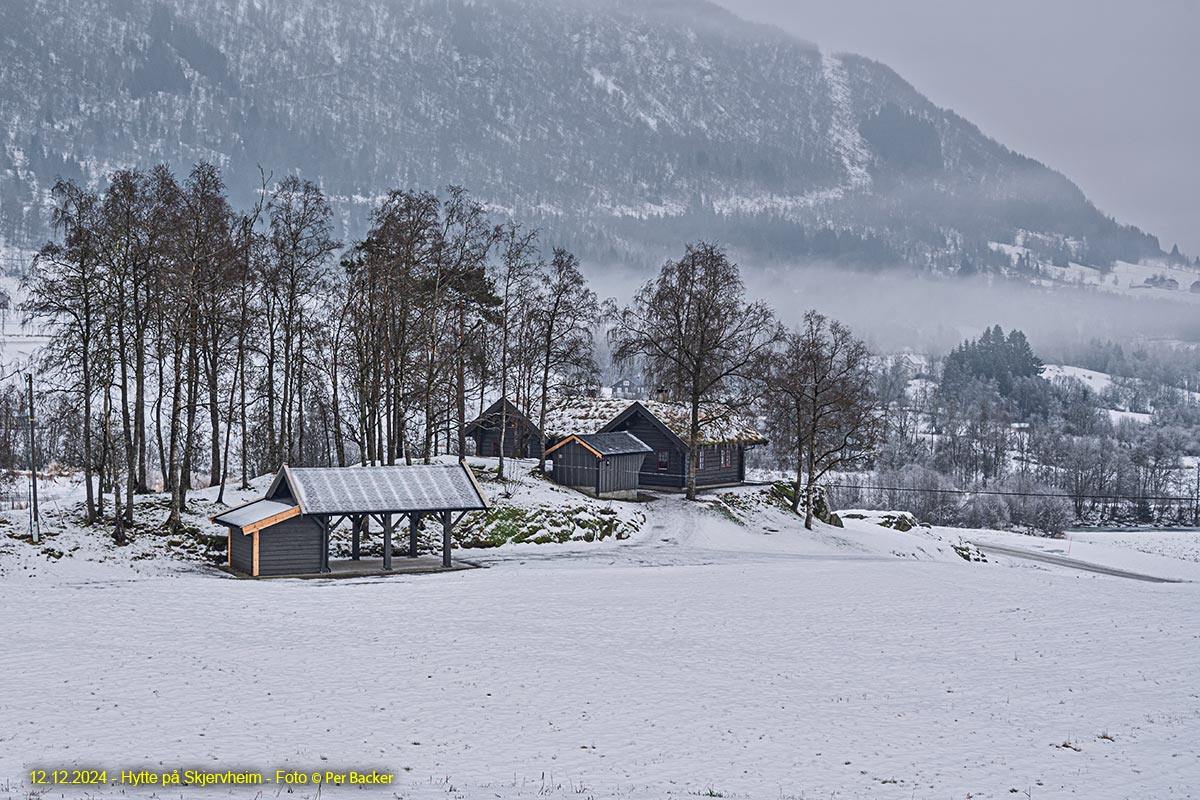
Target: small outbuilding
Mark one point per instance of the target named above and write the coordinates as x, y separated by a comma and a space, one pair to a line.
520, 439
287, 532
603, 465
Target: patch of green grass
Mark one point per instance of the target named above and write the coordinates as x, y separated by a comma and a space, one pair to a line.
542, 525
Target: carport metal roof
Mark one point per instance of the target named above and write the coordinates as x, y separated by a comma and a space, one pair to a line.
400, 489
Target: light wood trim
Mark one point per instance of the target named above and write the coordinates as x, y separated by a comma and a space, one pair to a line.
255, 527
471, 477
254, 567
229, 547
582, 443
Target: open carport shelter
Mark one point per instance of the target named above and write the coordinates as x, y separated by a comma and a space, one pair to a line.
287, 532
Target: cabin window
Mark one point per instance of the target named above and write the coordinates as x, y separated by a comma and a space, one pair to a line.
726, 457
495, 449
664, 460
700, 459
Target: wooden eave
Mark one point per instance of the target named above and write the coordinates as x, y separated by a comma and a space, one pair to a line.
478, 489
274, 519
575, 438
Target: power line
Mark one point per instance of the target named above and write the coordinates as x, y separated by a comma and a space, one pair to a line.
1003, 493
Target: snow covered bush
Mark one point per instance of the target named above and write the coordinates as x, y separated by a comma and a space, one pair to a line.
925, 492
1034, 506
985, 511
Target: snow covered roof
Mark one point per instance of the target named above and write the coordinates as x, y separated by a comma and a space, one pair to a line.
252, 514
568, 415
394, 489
718, 423
615, 444
490, 418
619, 443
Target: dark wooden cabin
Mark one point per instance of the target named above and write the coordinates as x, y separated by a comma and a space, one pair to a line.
664, 427
522, 438
605, 465
287, 532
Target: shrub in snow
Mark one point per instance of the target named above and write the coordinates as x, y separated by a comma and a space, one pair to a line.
985, 511
785, 493
1032, 506
923, 491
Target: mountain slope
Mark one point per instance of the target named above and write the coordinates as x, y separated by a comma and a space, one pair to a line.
621, 127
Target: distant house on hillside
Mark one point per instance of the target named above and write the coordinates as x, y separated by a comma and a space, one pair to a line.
522, 439
664, 427
626, 389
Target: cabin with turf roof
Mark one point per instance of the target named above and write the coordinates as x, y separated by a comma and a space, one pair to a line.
521, 438
725, 437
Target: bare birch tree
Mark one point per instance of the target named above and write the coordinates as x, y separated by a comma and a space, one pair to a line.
697, 334
820, 403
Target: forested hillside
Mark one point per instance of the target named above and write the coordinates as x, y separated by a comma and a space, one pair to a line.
990, 437
620, 128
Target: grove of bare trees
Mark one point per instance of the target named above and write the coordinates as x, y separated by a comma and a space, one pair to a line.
189, 342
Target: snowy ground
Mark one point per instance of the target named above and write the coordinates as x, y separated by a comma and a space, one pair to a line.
722, 651
1125, 278
1173, 544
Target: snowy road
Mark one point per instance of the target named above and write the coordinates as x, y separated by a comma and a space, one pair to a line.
1071, 563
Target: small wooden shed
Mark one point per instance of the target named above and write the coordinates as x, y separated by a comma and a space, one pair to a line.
603, 465
287, 532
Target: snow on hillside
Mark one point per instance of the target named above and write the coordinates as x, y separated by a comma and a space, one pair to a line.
1098, 382
1155, 279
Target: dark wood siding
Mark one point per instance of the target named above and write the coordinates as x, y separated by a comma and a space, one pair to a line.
291, 547
579, 468
674, 476
713, 473
521, 441
241, 550
620, 473
574, 466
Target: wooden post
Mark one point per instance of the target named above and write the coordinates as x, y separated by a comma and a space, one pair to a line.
325, 545
387, 541
414, 526
356, 534
445, 538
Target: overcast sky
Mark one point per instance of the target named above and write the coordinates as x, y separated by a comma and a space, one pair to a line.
1105, 91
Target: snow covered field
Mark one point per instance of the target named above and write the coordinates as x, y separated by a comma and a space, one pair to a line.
1174, 544
722, 651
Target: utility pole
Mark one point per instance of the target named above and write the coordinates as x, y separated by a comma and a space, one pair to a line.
35, 523
1196, 500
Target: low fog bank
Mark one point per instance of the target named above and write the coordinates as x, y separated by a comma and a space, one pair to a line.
901, 310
